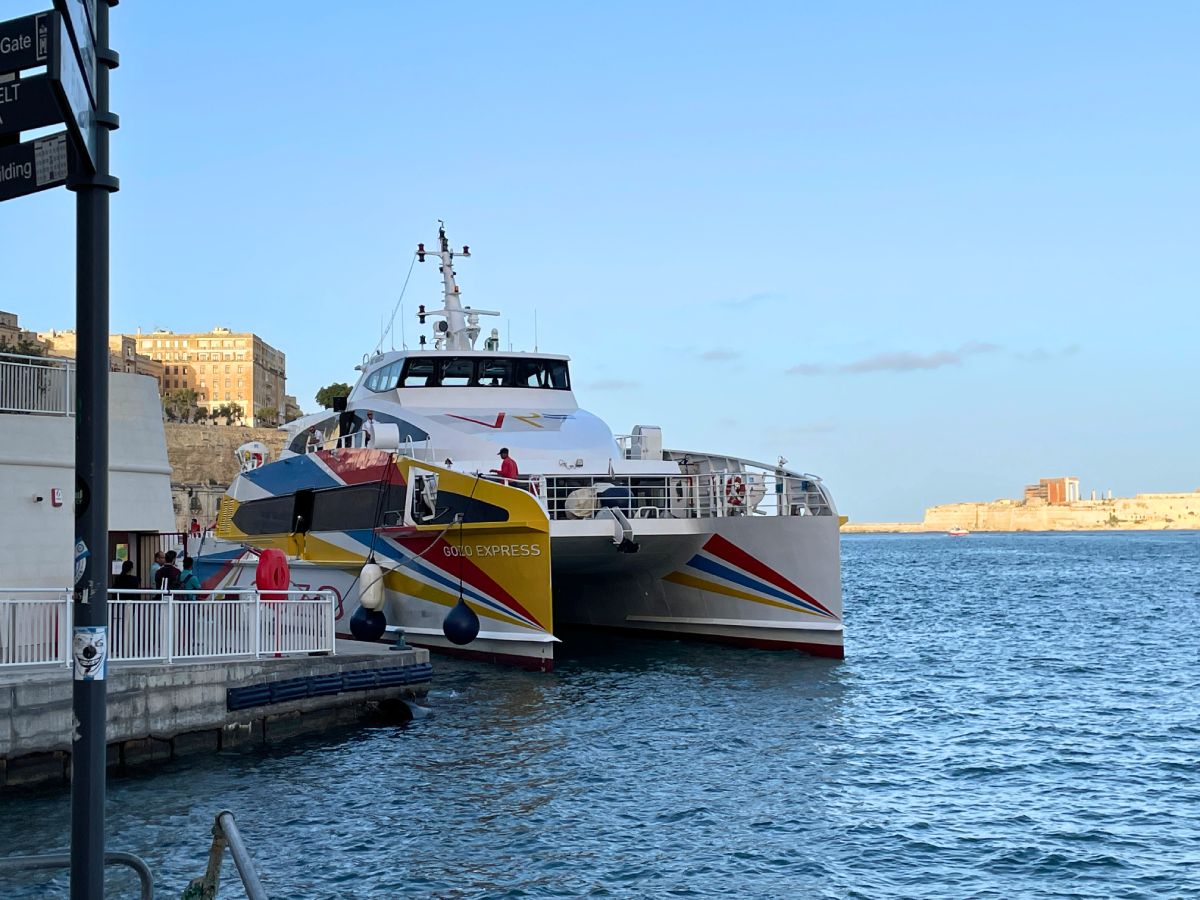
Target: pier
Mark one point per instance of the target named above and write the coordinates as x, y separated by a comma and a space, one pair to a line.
187, 675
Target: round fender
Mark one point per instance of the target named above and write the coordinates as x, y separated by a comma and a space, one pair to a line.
368, 624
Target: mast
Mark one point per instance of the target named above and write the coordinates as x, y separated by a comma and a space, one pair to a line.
461, 325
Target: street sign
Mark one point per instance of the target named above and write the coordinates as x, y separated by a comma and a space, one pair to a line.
25, 42
82, 14
28, 103
79, 17
34, 166
77, 109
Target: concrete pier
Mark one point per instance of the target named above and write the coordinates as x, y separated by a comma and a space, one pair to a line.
159, 712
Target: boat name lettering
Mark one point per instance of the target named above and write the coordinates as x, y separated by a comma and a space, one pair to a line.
494, 550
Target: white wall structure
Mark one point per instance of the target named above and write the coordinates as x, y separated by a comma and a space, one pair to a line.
37, 458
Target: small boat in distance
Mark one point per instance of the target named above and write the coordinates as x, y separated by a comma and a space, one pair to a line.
957, 531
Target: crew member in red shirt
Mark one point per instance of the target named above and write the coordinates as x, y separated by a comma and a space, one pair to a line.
508, 465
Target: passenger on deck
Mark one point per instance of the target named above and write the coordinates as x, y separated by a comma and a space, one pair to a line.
369, 429
316, 438
508, 466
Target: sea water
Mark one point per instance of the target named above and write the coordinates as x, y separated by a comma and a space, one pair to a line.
1016, 716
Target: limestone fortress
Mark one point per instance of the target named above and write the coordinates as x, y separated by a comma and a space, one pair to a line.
1053, 504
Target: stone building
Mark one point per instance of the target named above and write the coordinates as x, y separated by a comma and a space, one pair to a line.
1054, 491
122, 353
12, 334
222, 366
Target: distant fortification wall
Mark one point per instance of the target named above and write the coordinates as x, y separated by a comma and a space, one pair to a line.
203, 466
1141, 512
200, 454
1148, 511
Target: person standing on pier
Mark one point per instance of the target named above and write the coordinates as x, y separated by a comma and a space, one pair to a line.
159, 559
167, 577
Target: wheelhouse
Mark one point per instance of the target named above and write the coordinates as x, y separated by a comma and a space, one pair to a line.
471, 370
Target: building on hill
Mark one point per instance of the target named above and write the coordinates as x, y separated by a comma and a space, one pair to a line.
13, 336
122, 353
222, 367
1053, 491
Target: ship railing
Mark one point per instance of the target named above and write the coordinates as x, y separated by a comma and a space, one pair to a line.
682, 496
414, 448
37, 385
170, 627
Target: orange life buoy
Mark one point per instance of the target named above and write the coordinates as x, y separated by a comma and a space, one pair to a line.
271, 574
735, 490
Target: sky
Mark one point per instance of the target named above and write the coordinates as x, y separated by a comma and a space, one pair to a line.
929, 252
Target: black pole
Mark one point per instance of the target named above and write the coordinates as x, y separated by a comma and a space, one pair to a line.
88, 750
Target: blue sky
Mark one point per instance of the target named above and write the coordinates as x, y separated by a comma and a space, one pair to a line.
928, 251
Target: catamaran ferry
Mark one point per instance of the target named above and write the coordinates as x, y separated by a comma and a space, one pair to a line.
393, 503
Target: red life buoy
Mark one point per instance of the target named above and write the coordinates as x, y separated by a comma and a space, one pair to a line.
271, 574
735, 490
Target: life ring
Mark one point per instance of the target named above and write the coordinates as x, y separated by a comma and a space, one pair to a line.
735, 490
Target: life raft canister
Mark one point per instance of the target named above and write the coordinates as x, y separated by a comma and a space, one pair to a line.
735, 490
271, 574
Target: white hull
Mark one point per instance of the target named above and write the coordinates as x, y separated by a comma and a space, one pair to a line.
656, 591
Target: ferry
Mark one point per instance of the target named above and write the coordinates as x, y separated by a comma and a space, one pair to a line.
395, 500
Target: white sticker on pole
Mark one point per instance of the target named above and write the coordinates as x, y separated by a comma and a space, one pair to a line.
90, 650
81, 554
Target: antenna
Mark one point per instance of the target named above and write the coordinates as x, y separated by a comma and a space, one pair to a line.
403, 342
508, 328
535, 350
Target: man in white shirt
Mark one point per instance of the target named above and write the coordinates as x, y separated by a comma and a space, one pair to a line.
369, 429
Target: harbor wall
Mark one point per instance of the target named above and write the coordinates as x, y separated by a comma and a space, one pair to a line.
1157, 511
203, 464
158, 712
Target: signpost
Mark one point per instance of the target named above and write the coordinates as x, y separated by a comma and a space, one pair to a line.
74, 98
34, 166
72, 45
25, 42
78, 16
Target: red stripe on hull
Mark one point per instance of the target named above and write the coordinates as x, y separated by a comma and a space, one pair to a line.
723, 548
360, 466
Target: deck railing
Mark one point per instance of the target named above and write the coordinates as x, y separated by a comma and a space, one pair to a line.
710, 495
153, 626
37, 385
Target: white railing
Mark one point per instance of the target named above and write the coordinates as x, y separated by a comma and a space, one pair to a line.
710, 495
150, 626
153, 626
35, 627
36, 384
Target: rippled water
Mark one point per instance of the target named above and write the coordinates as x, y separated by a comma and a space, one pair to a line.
1017, 716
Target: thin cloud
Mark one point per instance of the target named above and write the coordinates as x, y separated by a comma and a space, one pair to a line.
752, 300
613, 384
1041, 355
720, 355
896, 361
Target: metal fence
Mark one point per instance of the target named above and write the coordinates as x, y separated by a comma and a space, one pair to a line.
35, 627
149, 626
37, 385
